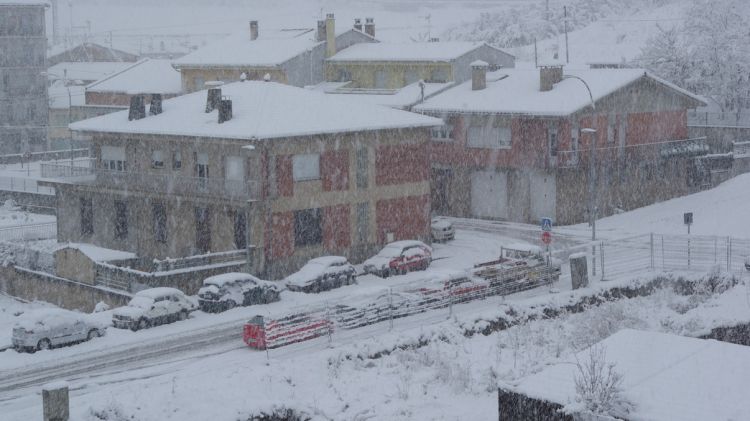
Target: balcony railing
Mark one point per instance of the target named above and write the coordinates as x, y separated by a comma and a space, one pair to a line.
150, 182
656, 150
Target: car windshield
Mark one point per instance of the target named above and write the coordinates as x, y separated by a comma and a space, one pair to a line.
390, 251
141, 302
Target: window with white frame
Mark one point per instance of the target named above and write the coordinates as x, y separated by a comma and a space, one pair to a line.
234, 168
113, 158
489, 137
444, 132
157, 158
306, 167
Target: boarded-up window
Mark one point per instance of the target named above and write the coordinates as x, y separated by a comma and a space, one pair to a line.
235, 168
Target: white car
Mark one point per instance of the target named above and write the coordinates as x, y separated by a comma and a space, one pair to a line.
47, 328
152, 307
442, 229
228, 290
322, 274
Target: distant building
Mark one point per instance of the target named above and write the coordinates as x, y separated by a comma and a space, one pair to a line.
147, 76
515, 144
84, 72
23, 88
300, 173
294, 57
87, 52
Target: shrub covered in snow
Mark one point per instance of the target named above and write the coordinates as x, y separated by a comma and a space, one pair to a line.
599, 386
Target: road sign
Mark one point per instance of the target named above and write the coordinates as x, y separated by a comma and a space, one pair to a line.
546, 237
688, 217
546, 224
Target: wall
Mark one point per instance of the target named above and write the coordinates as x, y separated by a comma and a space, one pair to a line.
121, 99
363, 73
490, 55
227, 75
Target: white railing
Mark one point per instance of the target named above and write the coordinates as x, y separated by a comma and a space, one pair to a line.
25, 185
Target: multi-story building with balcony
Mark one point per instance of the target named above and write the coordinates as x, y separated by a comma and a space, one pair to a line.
295, 173
520, 144
23, 87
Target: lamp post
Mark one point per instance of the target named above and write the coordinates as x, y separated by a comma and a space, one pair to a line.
66, 82
592, 164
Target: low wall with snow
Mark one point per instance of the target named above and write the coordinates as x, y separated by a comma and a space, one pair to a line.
31, 285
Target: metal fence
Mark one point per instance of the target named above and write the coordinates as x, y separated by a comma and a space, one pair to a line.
718, 119
46, 231
26, 185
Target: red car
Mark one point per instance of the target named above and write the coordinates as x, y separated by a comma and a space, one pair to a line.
399, 257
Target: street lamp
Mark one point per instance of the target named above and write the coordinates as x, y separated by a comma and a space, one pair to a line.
592, 188
66, 83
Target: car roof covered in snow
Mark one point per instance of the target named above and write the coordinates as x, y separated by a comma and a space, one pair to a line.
328, 260
157, 292
313, 269
150, 76
665, 376
224, 278
44, 316
260, 110
516, 91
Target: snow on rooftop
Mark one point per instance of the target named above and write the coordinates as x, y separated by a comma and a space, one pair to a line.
261, 110
85, 70
394, 98
58, 95
516, 91
145, 76
101, 254
667, 377
411, 51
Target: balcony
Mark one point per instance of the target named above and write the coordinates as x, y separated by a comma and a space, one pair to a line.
150, 182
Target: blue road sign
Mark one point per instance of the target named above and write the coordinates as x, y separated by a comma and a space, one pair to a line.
546, 224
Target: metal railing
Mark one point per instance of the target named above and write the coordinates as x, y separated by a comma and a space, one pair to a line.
46, 231
632, 153
718, 119
25, 185
145, 181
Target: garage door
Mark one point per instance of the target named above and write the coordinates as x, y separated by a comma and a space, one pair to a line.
489, 194
543, 195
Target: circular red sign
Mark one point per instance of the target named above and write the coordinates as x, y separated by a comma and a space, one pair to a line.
546, 237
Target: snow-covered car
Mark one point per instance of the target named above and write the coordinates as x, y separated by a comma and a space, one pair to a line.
442, 229
322, 274
47, 328
399, 257
151, 307
228, 290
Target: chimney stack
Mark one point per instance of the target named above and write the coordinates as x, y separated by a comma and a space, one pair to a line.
137, 109
321, 34
434, 39
330, 35
225, 109
549, 75
370, 27
358, 24
253, 30
155, 107
478, 75
212, 99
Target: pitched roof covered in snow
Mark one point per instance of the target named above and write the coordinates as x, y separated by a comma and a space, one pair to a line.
516, 91
261, 110
395, 98
146, 76
85, 70
667, 377
411, 51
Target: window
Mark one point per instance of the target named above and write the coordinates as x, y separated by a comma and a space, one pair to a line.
176, 160
159, 216
552, 138
344, 75
198, 82
121, 220
234, 168
444, 132
201, 165
307, 227
240, 230
87, 217
489, 137
410, 76
113, 158
157, 158
203, 230
381, 79
439, 75
306, 167
362, 168
363, 222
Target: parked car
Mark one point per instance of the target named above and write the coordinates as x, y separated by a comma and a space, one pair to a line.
228, 290
48, 328
152, 307
399, 257
442, 229
322, 274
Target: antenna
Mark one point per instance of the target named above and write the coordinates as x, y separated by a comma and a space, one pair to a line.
565, 21
536, 57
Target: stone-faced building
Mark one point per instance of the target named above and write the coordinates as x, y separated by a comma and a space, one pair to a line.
395, 65
517, 144
23, 88
293, 57
297, 173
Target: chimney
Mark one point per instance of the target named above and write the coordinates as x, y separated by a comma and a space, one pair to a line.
253, 30
549, 75
137, 109
321, 34
330, 35
370, 27
434, 39
213, 99
358, 24
478, 75
225, 109
155, 107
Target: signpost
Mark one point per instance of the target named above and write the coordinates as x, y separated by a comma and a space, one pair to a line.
546, 225
687, 217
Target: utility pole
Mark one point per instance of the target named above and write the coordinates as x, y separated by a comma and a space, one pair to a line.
565, 22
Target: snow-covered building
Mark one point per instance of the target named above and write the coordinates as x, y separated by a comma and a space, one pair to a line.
87, 52
664, 377
294, 57
517, 143
299, 173
395, 65
147, 76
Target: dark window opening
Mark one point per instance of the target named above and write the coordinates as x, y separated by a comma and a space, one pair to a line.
121, 219
240, 230
203, 230
87, 217
159, 212
362, 168
307, 227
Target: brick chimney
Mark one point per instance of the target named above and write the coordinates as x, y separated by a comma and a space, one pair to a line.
253, 30
330, 35
137, 108
370, 27
550, 75
212, 99
478, 75
225, 109
358, 24
321, 34
155, 107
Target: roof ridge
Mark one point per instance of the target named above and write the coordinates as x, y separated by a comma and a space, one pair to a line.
108, 77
